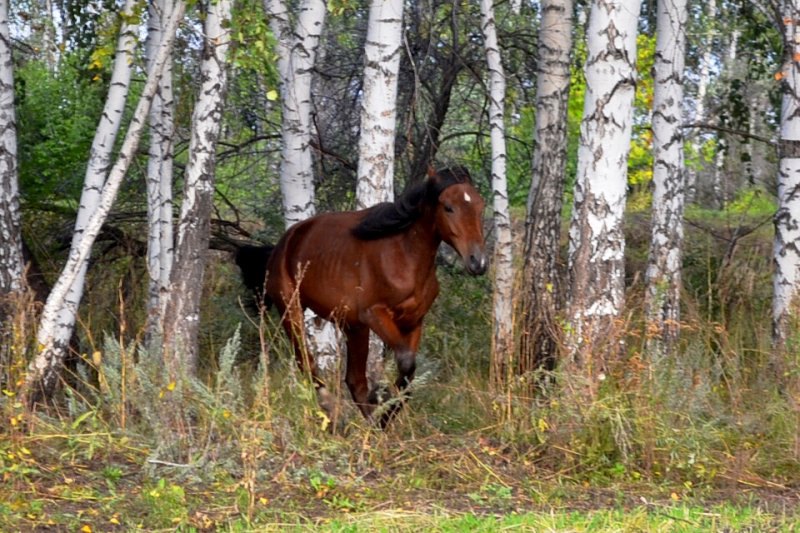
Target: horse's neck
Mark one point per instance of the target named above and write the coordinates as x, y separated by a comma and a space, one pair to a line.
423, 241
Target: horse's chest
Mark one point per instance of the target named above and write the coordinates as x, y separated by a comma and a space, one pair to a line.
411, 310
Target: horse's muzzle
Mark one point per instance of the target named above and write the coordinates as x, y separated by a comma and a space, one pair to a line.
476, 263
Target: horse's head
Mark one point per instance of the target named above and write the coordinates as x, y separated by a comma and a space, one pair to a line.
459, 217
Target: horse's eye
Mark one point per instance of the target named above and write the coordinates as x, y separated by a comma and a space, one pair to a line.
448, 208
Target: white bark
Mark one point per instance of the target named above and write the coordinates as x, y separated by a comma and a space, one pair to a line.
596, 238
43, 370
375, 174
297, 51
382, 49
666, 245
786, 252
11, 260
160, 245
502, 316
182, 304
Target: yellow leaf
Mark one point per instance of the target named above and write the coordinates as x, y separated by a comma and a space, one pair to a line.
97, 357
325, 420
272, 95
674, 496
87, 529
25, 450
114, 520
171, 386
9, 393
543, 425
263, 501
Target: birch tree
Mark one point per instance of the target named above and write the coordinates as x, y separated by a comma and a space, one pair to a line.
159, 173
11, 260
596, 238
182, 304
43, 370
375, 173
502, 315
662, 300
297, 51
12, 263
703, 82
542, 284
375, 182
786, 248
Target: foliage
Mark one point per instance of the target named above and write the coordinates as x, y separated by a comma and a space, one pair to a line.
57, 115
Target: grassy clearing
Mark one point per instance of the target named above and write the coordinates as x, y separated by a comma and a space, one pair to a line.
705, 442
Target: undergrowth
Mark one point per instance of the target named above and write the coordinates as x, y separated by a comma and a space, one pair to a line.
255, 450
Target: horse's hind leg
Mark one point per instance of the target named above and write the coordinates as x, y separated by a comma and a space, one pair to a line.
293, 323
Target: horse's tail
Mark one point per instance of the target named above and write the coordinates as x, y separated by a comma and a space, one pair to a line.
252, 261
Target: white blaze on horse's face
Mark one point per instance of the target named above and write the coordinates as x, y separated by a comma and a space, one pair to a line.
460, 223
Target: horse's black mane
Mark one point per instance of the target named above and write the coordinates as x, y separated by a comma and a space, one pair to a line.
390, 218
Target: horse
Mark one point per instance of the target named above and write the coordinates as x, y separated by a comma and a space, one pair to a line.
374, 269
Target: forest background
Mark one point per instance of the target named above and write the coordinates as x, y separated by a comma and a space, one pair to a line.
640, 425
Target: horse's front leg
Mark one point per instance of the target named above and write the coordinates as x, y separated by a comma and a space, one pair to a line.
404, 343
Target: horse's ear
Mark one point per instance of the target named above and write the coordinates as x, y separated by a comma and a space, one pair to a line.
431, 174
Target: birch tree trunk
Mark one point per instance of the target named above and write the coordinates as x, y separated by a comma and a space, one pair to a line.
182, 303
718, 186
596, 238
12, 263
786, 250
662, 300
375, 174
703, 82
379, 105
11, 260
43, 370
541, 280
297, 51
502, 315
159, 176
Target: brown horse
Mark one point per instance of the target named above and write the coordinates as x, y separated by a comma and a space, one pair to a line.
375, 270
